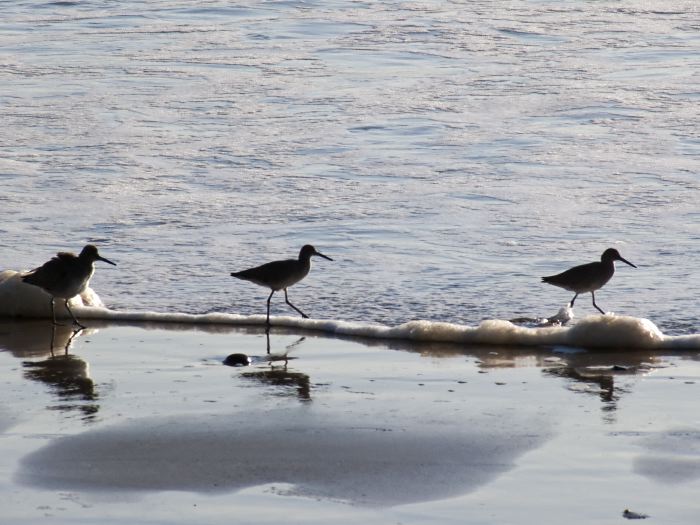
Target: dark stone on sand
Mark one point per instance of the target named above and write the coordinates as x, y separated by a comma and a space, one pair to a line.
237, 360
630, 515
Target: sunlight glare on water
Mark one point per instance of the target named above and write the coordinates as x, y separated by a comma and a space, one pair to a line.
445, 155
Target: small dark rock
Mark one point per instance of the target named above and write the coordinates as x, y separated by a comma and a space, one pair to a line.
633, 515
237, 360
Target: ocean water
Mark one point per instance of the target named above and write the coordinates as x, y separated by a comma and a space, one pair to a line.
445, 154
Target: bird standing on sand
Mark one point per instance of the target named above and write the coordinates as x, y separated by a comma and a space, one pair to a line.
280, 275
66, 276
588, 277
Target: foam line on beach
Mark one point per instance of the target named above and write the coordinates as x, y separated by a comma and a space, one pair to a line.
609, 331
18, 299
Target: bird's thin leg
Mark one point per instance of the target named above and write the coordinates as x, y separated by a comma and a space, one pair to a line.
286, 300
571, 304
72, 336
267, 335
268, 307
601, 311
73, 316
53, 337
53, 313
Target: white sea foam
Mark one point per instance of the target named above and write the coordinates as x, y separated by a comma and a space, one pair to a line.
613, 332
18, 299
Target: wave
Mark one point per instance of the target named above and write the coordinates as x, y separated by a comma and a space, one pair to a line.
18, 299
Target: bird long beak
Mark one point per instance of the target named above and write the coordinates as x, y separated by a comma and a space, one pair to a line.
324, 256
99, 257
627, 262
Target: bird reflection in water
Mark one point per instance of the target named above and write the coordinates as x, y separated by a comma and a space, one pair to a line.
600, 373
286, 382
67, 375
603, 373
601, 379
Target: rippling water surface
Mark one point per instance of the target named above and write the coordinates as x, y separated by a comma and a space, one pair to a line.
445, 154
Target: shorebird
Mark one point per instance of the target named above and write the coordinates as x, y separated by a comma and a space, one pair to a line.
280, 275
66, 276
588, 277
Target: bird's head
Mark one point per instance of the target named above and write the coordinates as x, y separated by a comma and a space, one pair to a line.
611, 255
91, 254
307, 251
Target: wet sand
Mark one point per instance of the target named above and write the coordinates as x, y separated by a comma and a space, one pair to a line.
144, 424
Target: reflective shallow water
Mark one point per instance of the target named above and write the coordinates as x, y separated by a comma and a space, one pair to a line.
146, 425
446, 155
